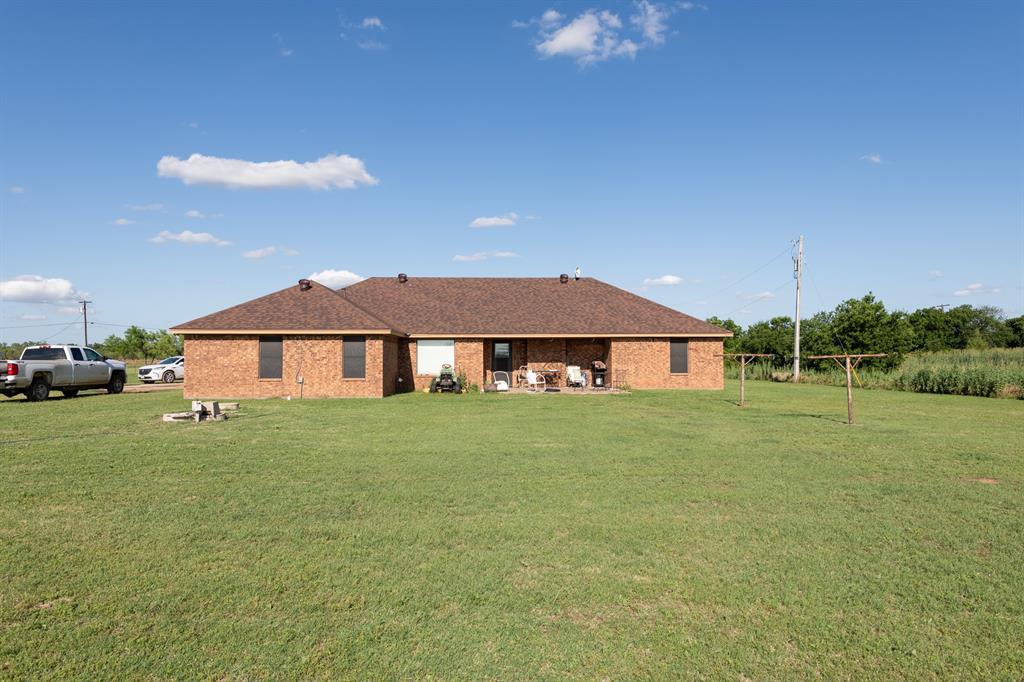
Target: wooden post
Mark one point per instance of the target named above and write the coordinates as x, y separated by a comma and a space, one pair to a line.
850, 360
743, 380
743, 359
849, 393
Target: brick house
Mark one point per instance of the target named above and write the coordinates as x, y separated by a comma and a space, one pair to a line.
385, 335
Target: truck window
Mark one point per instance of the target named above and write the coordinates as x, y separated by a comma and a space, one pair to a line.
92, 355
76, 354
43, 354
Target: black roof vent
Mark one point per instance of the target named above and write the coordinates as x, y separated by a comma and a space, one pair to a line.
305, 285
563, 278
402, 278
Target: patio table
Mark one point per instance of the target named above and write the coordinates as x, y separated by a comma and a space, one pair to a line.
551, 376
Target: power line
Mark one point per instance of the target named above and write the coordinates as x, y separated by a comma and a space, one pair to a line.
768, 295
61, 331
32, 326
782, 253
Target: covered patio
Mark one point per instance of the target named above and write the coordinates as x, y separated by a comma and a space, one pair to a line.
551, 359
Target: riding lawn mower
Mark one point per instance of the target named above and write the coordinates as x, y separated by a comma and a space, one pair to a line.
446, 381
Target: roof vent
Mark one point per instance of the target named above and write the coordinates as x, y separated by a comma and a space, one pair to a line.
402, 278
563, 278
305, 285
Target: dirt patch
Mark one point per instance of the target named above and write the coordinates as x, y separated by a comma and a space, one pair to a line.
986, 480
45, 605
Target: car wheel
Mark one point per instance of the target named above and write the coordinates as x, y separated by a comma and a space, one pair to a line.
69, 392
116, 384
39, 390
168, 377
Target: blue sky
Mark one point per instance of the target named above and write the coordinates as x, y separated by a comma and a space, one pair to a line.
668, 148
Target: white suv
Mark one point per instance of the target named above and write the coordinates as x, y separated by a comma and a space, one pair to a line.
167, 370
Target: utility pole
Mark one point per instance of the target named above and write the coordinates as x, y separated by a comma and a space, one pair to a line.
85, 320
798, 272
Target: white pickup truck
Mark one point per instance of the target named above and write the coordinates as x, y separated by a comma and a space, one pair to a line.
68, 369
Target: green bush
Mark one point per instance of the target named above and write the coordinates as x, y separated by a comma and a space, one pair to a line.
990, 373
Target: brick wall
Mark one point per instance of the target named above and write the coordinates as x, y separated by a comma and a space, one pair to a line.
646, 363
228, 367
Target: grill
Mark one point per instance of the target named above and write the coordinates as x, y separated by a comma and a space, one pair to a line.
144, 372
599, 371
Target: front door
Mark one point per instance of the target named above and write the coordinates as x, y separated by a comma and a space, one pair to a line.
501, 357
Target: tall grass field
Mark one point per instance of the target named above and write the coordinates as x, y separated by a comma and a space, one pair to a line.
991, 373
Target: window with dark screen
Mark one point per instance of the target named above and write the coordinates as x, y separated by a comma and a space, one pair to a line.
270, 357
353, 357
680, 356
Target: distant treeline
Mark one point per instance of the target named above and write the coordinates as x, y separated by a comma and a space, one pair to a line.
864, 326
135, 344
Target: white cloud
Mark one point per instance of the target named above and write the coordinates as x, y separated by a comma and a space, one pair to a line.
15, 189
329, 171
266, 251
651, 19
936, 274
872, 158
975, 289
509, 218
282, 49
189, 237
372, 45
663, 281
146, 207
373, 22
257, 254
31, 317
595, 36
124, 221
484, 255
37, 289
686, 5
764, 295
193, 124
335, 279
194, 214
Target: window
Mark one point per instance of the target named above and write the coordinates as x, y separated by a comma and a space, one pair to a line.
353, 357
76, 354
501, 358
270, 357
45, 353
432, 353
91, 355
680, 356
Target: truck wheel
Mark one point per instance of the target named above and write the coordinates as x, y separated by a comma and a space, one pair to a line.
168, 377
39, 390
116, 384
69, 392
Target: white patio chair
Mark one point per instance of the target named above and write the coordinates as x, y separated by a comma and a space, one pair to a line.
535, 381
574, 377
501, 381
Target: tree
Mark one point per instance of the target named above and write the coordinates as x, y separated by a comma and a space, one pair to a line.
864, 326
138, 343
1015, 327
774, 336
731, 345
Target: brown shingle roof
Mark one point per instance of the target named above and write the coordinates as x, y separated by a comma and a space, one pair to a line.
513, 306
316, 309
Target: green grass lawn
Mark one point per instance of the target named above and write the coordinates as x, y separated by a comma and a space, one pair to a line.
658, 535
